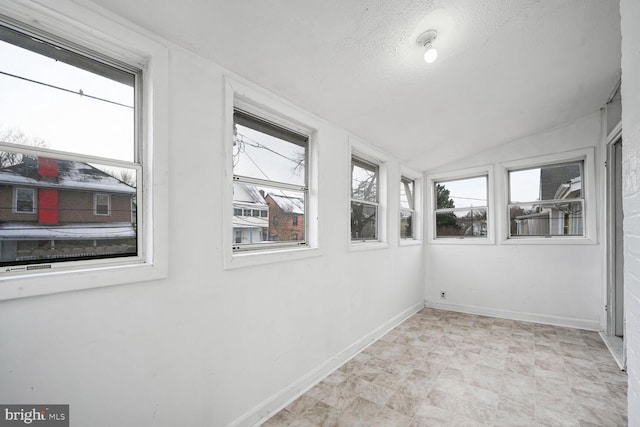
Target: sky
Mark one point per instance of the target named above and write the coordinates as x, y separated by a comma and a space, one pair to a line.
65, 121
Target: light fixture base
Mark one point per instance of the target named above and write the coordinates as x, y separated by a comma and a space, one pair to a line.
426, 37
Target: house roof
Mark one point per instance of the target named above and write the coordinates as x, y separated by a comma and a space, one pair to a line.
72, 175
71, 231
289, 204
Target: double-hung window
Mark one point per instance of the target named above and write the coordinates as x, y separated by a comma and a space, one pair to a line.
461, 208
407, 208
25, 200
69, 152
364, 200
547, 201
270, 182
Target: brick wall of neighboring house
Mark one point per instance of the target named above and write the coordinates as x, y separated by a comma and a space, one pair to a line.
281, 223
78, 206
7, 207
73, 206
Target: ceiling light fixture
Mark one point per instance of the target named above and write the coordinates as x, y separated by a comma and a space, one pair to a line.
426, 40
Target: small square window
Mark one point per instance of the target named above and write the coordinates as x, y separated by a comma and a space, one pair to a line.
237, 212
461, 208
364, 200
547, 201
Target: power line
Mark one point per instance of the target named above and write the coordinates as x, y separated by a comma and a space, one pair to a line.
79, 92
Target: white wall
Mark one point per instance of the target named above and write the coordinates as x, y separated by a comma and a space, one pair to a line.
559, 284
207, 346
630, 12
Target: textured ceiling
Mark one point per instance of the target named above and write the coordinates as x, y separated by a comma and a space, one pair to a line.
507, 68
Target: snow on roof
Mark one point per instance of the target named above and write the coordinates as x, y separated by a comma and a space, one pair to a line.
247, 193
71, 175
80, 231
289, 204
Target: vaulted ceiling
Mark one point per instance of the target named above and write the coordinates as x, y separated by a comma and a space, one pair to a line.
507, 68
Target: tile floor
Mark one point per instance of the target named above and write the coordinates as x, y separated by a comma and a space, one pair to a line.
442, 368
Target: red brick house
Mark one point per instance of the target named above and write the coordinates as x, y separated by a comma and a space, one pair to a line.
53, 208
286, 217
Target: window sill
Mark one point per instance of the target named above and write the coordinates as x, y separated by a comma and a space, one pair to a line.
463, 241
549, 241
249, 259
410, 242
65, 279
367, 246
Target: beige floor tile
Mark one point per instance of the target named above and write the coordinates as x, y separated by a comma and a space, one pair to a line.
452, 369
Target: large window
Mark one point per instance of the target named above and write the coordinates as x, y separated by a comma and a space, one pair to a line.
461, 208
270, 184
364, 200
547, 201
407, 208
68, 130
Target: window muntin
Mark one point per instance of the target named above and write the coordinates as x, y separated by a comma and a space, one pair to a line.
364, 200
407, 208
69, 129
270, 175
461, 208
547, 201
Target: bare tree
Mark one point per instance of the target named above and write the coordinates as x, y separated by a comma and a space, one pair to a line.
16, 136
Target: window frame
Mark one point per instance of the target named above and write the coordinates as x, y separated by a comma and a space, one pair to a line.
587, 156
263, 104
365, 152
417, 222
34, 201
304, 188
127, 46
96, 196
434, 178
375, 168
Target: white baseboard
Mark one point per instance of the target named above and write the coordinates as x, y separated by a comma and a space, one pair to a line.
570, 322
275, 403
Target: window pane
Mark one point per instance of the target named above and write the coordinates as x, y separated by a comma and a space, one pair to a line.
364, 221
547, 219
406, 224
52, 100
553, 182
280, 207
80, 210
364, 181
261, 155
24, 200
406, 194
462, 223
461, 193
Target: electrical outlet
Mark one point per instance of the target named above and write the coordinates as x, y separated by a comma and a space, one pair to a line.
443, 295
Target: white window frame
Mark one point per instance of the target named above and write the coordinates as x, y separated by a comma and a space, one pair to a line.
91, 31
96, 196
34, 200
254, 100
434, 178
587, 156
301, 188
360, 150
418, 202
